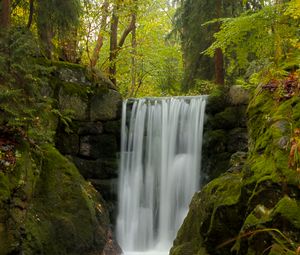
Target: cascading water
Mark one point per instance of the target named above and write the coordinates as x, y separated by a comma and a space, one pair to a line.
159, 170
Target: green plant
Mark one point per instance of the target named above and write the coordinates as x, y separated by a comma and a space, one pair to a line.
21, 78
280, 242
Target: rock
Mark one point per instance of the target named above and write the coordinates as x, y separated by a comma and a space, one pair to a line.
260, 199
73, 73
68, 144
237, 161
238, 158
100, 146
108, 188
239, 95
111, 247
90, 128
217, 102
231, 117
237, 140
97, 169
72, 104
106, 106
113, 127
55, 211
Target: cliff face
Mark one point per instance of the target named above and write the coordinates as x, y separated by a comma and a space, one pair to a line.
253, 209
46, 206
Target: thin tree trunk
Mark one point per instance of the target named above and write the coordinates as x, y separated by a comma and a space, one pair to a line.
126, 32
133, 55
99, 42
31, 11
113, 46
219, 60
5, 14
219, 70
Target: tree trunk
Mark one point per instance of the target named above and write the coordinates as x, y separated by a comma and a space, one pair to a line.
5, 14
133, 55
219, 60
219, 70
31, 11
113, 46
99, 42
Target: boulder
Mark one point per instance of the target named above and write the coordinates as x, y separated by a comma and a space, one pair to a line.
239, 95
52, 209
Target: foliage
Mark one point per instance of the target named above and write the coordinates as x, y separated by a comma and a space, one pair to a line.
203, 87
21, 102
282, 244
196, 37
57, 18
268, 37
157, 59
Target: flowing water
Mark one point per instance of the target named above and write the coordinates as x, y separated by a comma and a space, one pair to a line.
159, 170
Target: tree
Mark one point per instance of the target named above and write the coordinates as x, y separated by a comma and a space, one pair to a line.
56, 18
5, 13
263, 38
116, 45
100, 37
196, 36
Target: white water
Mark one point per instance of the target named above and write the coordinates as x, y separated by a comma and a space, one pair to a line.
159, 171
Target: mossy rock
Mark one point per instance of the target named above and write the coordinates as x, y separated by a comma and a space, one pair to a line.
52, 209
231, 117
254, 210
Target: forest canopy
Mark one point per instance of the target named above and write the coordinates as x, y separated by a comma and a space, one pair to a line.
161, 47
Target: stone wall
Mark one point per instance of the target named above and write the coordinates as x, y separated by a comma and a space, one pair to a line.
91, 138
225, 138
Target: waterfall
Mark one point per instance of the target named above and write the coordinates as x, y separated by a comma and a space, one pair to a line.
159, 169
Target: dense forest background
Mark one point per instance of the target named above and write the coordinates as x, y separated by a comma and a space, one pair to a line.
159, 47
145, 47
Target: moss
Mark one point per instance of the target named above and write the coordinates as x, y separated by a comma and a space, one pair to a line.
289, 209
205, 212
52, 209
76, 89
229, 118
264, 196
190, 248
65, 64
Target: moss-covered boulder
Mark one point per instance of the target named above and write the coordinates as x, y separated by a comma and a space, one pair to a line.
46, 207
254, 210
